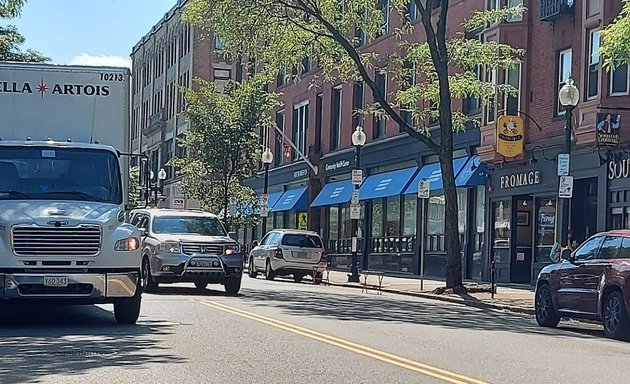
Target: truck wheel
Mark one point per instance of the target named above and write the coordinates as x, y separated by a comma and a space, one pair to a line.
201, 285
232, 286
148, 284
127, 311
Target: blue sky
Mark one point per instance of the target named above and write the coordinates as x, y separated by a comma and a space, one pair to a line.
88, 32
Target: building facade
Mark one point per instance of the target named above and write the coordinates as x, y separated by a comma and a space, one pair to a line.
172, 55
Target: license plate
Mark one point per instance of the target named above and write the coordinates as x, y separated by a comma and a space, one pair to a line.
55, 281
202, 263
301, 255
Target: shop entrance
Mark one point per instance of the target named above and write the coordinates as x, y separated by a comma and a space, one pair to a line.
523, 248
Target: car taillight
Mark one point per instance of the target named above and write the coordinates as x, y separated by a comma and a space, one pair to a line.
278, 254
323, 258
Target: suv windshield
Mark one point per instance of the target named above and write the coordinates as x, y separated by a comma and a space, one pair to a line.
36, 173
304, 241
204, 226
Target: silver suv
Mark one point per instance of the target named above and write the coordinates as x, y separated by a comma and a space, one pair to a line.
187, 246
289, 252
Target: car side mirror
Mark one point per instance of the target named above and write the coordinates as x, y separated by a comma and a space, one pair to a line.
143, 231
254, 243
566, 255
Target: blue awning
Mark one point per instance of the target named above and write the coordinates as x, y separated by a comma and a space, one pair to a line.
339, 192
433, 173
472, 173
293, 199
386, 184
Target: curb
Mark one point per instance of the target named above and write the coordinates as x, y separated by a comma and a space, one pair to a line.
430, 296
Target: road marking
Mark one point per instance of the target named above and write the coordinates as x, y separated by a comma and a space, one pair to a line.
412, 365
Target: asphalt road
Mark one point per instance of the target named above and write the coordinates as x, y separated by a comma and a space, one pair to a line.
282, 332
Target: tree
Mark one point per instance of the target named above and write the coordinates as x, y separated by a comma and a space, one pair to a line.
615, 45
429, 69
11, 39
224, 147
134, 187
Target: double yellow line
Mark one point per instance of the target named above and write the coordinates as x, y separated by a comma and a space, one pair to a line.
425, 369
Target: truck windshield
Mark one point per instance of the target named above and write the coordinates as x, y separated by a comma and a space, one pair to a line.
46, 173
178, 225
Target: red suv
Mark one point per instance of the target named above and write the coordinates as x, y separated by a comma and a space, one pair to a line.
590, 283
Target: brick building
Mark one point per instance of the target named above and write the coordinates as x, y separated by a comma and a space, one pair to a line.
171, 55
560, 38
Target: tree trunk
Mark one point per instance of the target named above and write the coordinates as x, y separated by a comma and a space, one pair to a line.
451, 227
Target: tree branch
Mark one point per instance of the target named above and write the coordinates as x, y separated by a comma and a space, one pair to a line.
354, 55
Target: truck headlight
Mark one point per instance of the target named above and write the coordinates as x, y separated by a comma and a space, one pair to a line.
169, 247
231, 249
128, 244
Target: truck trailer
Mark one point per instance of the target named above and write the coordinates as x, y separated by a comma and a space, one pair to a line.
64, 167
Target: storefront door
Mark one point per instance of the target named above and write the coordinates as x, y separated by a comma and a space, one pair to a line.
523, 248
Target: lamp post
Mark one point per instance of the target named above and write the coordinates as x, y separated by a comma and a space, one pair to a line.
569, 97
267, 158
358, 140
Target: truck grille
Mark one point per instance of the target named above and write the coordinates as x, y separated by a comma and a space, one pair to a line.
42, 241
202, 249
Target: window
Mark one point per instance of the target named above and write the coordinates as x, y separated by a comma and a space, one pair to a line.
307, 64
377, 218
280, 78
513, 78
221, 77
392, 218
592, 80
302, 241
473, 104
589, 249
319, 102
619, 81
409, 215
385, 8
435, 215
380, 123
546, 230
565, 60
610, 248
491, 77
300, 127
335, 119
204, 226
218, 42
279, 143
624, 251
515, 3
412, 10
358, 101
409, 80
333, 223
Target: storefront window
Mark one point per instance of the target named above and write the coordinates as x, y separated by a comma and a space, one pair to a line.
409, 218
377, 218
291, 220
480, 209
502, 218
435, 215
546, 224
462, 205
269, 224
333, 223
280, 220
392, 223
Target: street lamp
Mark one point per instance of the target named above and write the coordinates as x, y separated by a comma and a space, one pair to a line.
569, 97
267, 158
358, 140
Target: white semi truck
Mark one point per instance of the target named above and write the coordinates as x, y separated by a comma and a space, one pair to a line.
64, 143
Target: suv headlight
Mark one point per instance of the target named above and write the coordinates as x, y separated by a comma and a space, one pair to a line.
169, 247
231, 249
128, 244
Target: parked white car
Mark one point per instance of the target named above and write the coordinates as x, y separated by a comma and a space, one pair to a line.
289, 252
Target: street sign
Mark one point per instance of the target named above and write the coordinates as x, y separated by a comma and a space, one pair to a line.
565, 188
264, 200
355, 197
264, 211
357, 176
564, 160
355, 211
178, 203
424, 189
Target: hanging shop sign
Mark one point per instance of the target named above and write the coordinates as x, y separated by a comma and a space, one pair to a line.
510, 137
607, 134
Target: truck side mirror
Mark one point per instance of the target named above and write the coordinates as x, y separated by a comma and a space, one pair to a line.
232, 234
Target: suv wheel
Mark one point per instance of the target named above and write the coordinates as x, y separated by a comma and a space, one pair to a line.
615, 317
251, 271
546, 315
297, 277
269, 273
148, 283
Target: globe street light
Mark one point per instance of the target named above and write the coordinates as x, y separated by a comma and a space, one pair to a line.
569, 97
267, 159
358, 141
158, 187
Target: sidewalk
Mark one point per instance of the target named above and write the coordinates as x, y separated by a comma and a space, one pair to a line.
516, 299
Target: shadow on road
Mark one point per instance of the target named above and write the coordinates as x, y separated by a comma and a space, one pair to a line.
37, 341
364, 307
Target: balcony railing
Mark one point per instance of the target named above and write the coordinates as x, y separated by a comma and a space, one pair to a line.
552, 9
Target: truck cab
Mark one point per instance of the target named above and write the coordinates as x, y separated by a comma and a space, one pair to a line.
63, 235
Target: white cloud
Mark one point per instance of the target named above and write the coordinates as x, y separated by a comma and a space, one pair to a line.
101, 60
